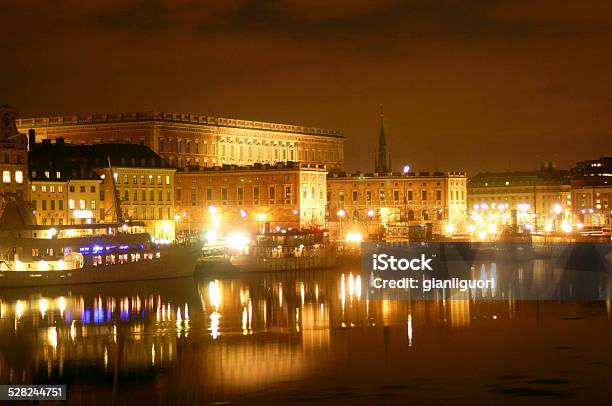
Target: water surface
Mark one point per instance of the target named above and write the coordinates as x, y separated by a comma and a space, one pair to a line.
300, 338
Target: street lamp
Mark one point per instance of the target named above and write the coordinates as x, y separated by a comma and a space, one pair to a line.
406, 171
341, 214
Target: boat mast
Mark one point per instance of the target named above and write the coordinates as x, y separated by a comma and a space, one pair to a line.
118, 212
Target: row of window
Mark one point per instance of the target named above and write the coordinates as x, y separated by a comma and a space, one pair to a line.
60, 204
60, 188
271, 197
145, 213
143, 195
143, 179
458, 195
7, 177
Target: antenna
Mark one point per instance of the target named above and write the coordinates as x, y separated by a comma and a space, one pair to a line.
118, 212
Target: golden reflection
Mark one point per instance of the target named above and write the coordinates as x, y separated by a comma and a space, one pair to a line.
43, 305
52, 337
61, 305
302, 292
18, 309
409, 332
214, 294
214, 325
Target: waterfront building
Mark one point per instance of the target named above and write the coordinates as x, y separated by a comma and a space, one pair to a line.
591, 184
13, 155
228, 198
186, 140
369, 202
64, 188
80, 177
537, 200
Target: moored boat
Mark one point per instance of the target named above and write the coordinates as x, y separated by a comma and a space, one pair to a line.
286, 250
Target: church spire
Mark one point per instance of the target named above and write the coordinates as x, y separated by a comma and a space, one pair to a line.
382, 161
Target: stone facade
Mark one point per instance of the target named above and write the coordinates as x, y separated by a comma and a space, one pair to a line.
372, 201
288, 195
185, 140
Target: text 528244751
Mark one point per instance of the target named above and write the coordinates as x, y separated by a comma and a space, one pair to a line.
32, 392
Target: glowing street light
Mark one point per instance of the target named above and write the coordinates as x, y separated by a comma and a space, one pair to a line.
341, 213
406, 169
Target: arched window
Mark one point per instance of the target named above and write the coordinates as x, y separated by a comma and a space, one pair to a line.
425, 215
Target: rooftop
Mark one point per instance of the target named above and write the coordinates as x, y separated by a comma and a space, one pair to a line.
77, 161
394, 175
163, 117
279, 166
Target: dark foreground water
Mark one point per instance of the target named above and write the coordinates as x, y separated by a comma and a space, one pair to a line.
300, 338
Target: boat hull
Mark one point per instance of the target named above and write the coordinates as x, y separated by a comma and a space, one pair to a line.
175, 262
251, 264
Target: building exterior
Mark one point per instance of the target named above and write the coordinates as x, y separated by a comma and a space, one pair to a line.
64, 188
538, 200
227, 198
591, 184
13, 155
73, 184
185, 140
369, 202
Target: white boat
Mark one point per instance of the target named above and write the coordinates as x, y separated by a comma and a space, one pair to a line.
43, 255
286, 251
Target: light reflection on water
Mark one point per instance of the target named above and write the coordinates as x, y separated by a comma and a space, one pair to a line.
265, 335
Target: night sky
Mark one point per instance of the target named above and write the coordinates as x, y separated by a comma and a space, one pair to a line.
470, 85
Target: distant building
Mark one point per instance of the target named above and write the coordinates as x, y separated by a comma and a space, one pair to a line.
369, 202
290, 195
185, 140
13, 155
73, 184
592, 192
539, 200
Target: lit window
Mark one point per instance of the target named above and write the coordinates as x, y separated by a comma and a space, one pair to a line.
47, 174
60, 189
167, 180
43, 188
71, 204
33, 188
58, 174
82, 204
52, 188
6, 177
93, 204
19, 176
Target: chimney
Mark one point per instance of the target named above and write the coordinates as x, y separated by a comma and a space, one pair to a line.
31, 137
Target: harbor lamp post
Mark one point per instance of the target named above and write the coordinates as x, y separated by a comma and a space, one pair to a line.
341, 214
406, 171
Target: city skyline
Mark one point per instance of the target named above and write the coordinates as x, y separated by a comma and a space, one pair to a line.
440, 71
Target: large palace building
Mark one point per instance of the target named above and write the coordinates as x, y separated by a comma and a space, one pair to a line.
189, 140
